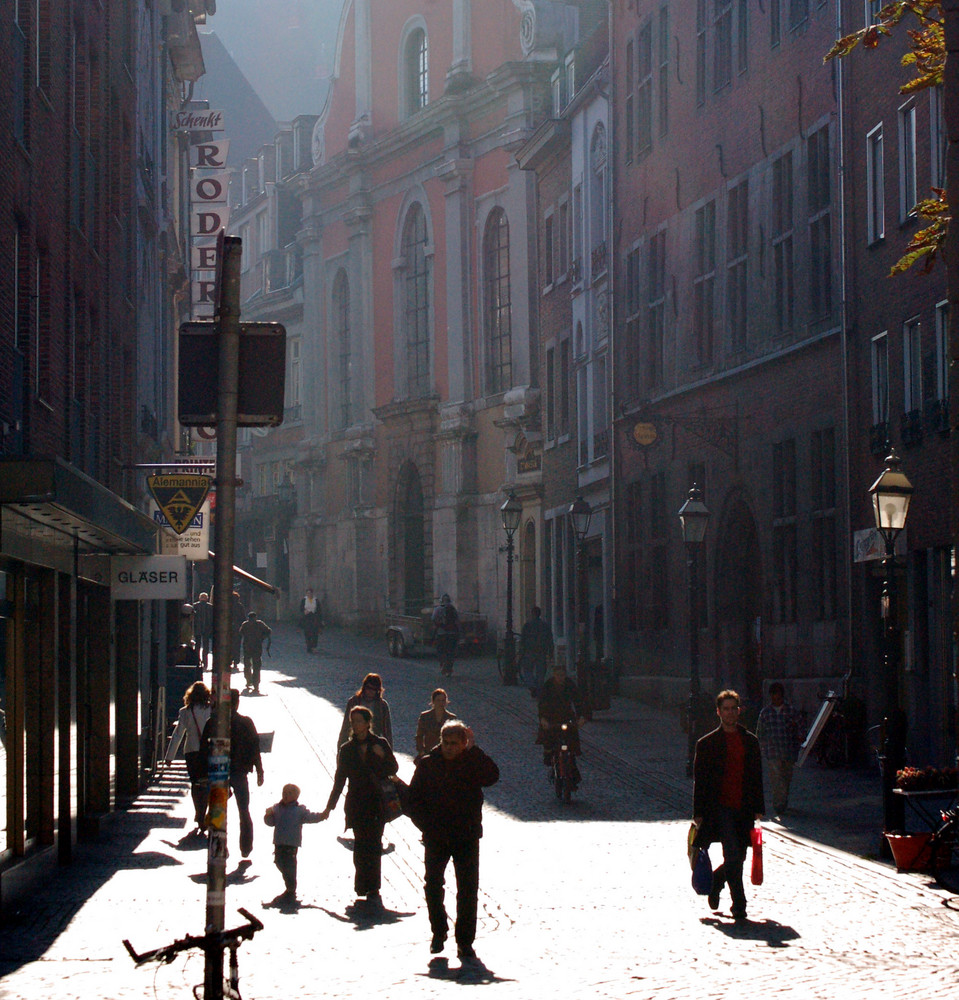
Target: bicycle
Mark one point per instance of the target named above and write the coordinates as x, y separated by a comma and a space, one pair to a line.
943, 847
230, 939
563, 773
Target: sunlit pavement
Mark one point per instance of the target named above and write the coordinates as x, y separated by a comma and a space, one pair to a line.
593, 896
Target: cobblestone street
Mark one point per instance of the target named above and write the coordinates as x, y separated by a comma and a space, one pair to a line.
593, 896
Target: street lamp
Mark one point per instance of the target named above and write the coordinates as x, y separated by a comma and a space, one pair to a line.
693, 516
511, 513
891, 494
580, 513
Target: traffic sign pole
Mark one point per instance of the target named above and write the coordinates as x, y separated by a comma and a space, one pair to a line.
228, 344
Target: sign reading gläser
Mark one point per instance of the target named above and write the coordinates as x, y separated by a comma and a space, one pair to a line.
148, 578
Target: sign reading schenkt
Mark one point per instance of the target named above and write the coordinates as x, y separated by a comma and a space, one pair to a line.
198, 121
148, 578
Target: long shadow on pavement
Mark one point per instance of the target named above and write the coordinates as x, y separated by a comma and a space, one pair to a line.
775, 935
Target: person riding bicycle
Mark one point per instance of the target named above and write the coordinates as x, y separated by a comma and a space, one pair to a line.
560, 702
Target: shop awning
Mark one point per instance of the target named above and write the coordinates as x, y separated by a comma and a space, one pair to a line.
53, 503
250, 578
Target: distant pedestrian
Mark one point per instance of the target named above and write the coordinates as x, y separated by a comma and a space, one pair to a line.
446, 633
446, 804
188, 732
779, 738
244, 757
311, 616
203, 627
287, 818
237, 617
370, 696
363, 761
727, 797
431, 721
253, 633
535, 651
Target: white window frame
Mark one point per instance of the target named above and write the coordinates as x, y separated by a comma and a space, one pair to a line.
879, 360
875, 189
911, 365
942, 349
937, 140
907, 161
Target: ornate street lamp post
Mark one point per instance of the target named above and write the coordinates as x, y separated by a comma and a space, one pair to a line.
580, 513
891, 494
693, 516
511, 513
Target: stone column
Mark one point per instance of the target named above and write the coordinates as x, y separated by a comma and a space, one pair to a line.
460, 73
457, 174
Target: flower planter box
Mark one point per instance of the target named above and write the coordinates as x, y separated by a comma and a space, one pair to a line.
912, 853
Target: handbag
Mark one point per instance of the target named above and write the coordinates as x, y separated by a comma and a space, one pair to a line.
691, 844
702, 873
756, 840
389, 800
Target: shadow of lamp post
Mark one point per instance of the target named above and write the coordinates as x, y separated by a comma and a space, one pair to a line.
511, 513
891, 494
693, 516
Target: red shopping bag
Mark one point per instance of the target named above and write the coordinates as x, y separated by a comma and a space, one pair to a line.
756, 840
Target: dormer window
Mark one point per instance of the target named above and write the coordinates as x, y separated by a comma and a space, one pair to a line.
416, 70
556, 90
570, 76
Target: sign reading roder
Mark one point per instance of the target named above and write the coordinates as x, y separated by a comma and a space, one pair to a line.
179, 497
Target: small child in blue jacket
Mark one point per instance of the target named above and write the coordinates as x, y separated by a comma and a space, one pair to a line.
287, 818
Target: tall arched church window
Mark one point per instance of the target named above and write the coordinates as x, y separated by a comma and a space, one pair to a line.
497, 306
417, 303
416, 64
341, 334
597, 200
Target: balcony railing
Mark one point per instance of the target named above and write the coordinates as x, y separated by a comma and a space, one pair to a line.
879, 438
910, 427
601, 444
597, 260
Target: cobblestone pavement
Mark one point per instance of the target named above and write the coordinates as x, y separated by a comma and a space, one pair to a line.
593, 896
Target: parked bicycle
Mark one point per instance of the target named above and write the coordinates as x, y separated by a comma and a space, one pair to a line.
230, 939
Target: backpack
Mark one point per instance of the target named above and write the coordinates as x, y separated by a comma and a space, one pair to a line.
450, 619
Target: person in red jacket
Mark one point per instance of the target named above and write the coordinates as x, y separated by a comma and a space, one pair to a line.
727, 797
446, 803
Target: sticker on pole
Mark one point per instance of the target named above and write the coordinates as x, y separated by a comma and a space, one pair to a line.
179, 497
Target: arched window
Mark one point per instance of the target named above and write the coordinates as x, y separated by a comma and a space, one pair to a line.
416, 71
496, 295
417, 303
341, 336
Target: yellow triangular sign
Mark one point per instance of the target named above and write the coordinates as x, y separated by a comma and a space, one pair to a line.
179, 497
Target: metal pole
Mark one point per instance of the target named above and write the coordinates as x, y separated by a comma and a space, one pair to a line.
227, 392
582, 625
893, 723
509, 639
692, 583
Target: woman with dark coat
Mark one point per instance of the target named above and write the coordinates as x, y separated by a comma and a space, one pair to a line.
363, 761
370, 695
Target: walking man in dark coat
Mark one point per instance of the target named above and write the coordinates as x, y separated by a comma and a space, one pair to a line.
244, 758
727, 797
535, 650
446, 804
